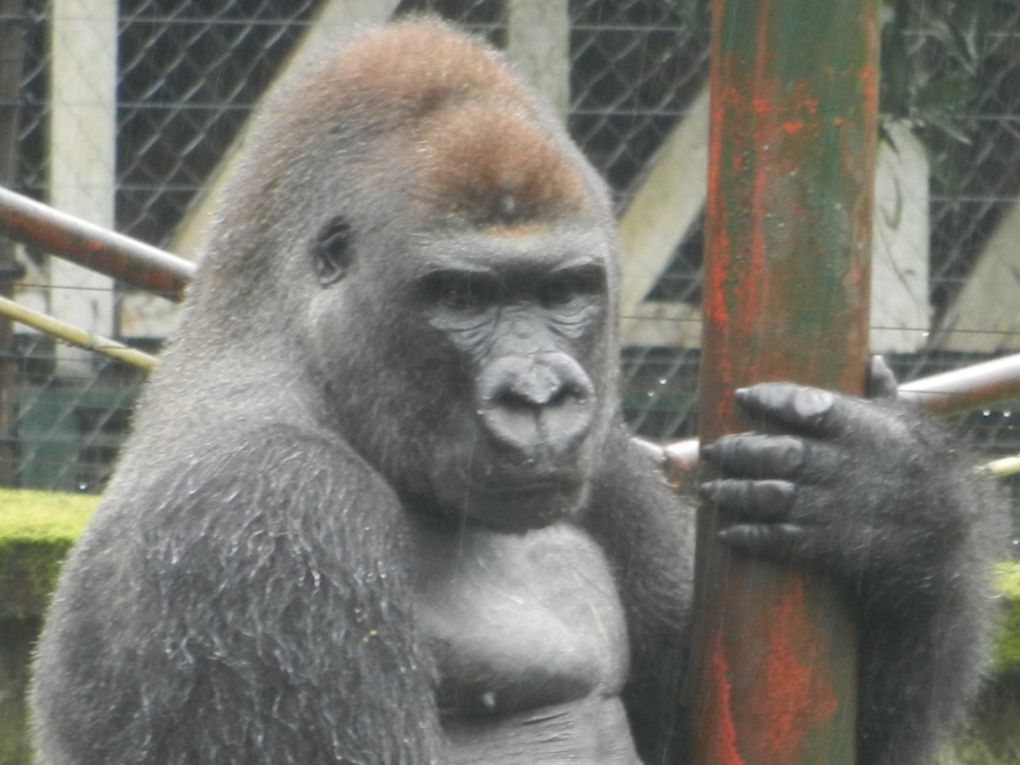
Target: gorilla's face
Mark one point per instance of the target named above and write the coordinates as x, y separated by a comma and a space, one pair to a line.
501, 349
524, 318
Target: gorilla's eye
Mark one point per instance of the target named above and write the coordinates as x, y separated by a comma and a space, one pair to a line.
461, 291
569, 287
332, 251
557, 292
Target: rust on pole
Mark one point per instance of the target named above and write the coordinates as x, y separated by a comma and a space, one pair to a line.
95, 247
788, 233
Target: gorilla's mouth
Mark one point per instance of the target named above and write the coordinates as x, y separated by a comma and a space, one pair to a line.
511, 499
522, 480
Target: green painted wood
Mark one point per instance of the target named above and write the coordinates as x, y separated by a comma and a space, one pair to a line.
788, 232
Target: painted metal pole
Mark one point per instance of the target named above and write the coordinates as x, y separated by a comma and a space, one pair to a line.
788, 232
96, 247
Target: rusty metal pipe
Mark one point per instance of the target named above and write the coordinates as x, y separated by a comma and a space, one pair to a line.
121, 257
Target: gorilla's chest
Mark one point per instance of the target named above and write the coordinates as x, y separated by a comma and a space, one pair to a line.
519, 622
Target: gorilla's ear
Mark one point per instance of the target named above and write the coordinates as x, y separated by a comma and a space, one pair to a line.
332, 251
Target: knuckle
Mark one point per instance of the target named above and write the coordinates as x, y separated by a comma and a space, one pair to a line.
773, 493
786, 453
811, 404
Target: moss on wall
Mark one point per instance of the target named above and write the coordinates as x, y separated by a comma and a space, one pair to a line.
37, 528
17, 639
1007, 633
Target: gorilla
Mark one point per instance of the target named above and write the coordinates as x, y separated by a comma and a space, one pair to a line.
380, 506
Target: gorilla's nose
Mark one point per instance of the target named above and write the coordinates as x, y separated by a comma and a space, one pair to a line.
540, 406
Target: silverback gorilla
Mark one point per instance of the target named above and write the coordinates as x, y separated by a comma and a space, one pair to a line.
380, 507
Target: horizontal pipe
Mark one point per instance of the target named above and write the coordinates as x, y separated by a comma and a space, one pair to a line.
75, 336
126, 259
954, 392
1004, 466
966, 388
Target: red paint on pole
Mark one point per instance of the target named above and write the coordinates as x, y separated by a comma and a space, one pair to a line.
796, 693
786, 238
723, 744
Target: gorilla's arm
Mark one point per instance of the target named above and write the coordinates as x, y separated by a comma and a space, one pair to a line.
269, 621
879, 497
648, 532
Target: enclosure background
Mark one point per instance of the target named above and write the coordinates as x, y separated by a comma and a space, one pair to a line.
189, 73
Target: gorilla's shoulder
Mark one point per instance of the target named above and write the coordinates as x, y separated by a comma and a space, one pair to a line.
242, 469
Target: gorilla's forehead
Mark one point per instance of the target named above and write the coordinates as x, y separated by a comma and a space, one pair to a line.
491, 165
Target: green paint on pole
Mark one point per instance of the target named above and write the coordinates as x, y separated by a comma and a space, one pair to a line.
788, 233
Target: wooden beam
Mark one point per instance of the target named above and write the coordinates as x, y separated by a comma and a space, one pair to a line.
900, 309
538, 42
984, 317
82, 152
662, 325
663, 209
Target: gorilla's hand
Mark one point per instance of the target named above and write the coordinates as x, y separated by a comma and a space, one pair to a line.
854, 486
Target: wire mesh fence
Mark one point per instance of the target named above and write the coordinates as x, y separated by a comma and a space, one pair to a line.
186, 76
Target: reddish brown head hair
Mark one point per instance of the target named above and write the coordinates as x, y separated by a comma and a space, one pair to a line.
450, 111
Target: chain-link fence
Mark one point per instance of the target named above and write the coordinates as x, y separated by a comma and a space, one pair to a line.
184, 76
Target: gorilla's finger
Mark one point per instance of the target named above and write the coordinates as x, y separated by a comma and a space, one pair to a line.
805, 409
881, 382
756, 455
751, 500
772, 539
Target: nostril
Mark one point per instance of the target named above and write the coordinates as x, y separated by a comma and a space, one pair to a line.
568, 395
514, 401
519, 400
